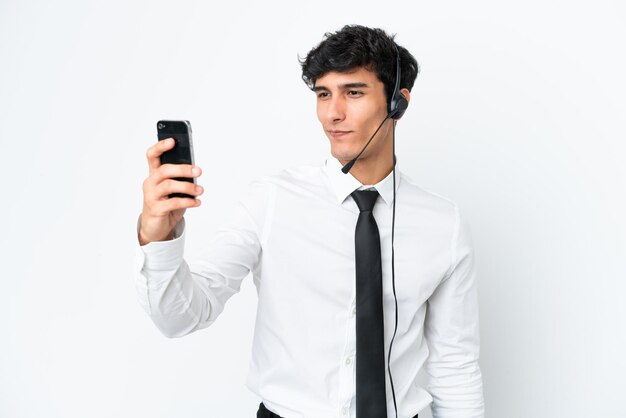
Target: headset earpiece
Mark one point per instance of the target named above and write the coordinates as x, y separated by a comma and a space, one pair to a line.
399, 106
398, 103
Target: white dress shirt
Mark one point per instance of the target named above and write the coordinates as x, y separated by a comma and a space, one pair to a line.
295, 231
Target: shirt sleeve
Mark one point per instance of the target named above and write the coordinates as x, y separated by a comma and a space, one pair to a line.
452, 334
181, 298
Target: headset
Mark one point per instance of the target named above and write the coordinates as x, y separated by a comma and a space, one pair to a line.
396, 107
398, 102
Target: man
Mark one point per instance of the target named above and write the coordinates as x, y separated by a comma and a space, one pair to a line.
296, 232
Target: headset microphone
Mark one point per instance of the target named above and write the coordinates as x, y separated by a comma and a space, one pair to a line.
350, 163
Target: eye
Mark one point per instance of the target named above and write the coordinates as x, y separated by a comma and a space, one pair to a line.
322, 95
355, 93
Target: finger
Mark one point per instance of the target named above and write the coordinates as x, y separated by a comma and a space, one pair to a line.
166, 206
170, 186
154, 152
170, 171
175, 203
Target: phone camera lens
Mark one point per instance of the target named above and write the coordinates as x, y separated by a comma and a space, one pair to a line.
161, 125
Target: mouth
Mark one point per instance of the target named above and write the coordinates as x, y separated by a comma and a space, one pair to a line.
336, 134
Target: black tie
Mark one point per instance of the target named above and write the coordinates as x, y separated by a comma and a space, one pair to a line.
370, 351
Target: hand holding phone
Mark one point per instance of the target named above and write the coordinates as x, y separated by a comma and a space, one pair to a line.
170, 187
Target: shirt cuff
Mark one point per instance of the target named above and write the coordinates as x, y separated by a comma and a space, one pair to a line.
161, 255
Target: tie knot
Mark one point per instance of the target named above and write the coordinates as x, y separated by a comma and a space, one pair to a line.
365, 199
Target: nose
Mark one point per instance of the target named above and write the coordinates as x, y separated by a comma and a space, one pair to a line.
336, 110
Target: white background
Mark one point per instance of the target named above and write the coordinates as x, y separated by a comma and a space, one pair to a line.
517, 115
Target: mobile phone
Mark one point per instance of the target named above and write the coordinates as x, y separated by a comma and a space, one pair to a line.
182, 153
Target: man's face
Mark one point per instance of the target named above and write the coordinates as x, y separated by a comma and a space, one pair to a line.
350, 106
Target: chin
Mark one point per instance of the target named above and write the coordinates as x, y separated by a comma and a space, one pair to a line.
342, 156
342, 152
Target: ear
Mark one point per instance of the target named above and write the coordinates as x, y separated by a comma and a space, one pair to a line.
406, 94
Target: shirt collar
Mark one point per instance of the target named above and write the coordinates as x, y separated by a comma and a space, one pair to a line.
344, 184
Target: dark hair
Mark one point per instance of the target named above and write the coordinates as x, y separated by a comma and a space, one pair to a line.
359, 46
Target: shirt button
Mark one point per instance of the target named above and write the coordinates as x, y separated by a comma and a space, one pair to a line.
344, 410
348, 361
353, 310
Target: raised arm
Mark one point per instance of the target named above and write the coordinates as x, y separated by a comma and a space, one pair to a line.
180, 297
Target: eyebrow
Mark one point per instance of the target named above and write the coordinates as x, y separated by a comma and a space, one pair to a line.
343, 86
